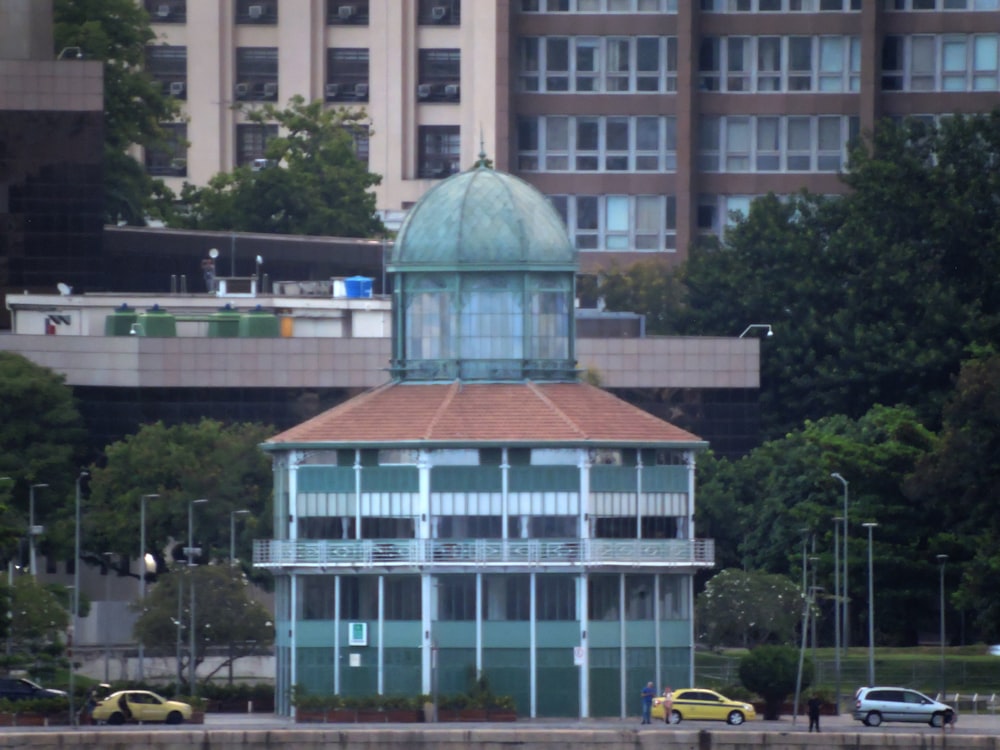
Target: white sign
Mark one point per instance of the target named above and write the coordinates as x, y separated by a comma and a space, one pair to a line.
579, 656
357, 634
355, 660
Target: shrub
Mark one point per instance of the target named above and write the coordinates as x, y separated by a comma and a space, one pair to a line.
771, 672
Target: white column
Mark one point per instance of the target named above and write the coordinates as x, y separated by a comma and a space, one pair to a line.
381, 635
293, 661
504, 491
479, 624
585, 667
293, 490
424, 503
336, 635
622, 683
427, 625
357, 494
533, 645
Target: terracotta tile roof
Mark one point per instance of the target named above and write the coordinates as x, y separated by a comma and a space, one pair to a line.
485, 412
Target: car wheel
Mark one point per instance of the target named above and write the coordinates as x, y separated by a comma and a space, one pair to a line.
675, 717
174, 717
116, 719
937, 721
735, 718
873, 719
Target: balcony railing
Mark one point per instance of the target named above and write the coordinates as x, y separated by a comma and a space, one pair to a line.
279, 554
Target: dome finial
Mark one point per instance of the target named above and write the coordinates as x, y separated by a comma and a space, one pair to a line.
483, 161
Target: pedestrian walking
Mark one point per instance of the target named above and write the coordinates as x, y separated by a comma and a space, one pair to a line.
668, 703
647, 702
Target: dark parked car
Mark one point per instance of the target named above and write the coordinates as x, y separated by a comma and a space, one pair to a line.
18, 688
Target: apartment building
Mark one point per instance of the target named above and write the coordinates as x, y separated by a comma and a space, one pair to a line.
646, 122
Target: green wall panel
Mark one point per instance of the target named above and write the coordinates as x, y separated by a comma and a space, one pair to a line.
390, 479
325, 479
501, 635
605, 678
613, 479
508, 672
665, 479
402, 671
466, 479
558, 683
544, 479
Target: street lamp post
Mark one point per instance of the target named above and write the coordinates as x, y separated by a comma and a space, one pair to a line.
232, 533
105, 612
846, 630
31, 527
942, 559
76, 592
871, 607
836, 603
142, 572
190, 562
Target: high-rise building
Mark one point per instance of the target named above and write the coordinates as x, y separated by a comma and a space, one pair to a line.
646, 122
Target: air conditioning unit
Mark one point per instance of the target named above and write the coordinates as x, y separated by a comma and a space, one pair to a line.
177, 88
270, 90
346, 11
361, 90
258, 164
439, 12
424, 91
332, 90
452, 90
179, 165
242, 90
255, 11
164, 11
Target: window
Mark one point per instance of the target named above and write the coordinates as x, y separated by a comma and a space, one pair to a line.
491, 318
438, 75
779, 64
256, 74
598, 6
439, 12
506, 597
774, 144
941, 4
555, 598
168, 65
456, 598
251, 140
597, 144
402, 598
952, 62
620, 222
598, 64
360, 136
347, 12
257, 11
169, 159
779, 6
438, 151
346, 74
166, 11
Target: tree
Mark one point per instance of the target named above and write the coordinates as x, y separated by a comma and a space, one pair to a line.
748, 609
771, 672
225, 616
39, 616
117, 32
41, 441
222, 463
314, 183
955, 484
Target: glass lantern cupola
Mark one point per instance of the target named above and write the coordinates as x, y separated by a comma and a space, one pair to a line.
484, 284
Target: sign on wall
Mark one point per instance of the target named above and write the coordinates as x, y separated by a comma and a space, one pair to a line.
357, 634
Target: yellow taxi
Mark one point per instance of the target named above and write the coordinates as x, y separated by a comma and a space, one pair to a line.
139, 706
698, 704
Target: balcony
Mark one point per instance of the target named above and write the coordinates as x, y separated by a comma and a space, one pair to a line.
322, 555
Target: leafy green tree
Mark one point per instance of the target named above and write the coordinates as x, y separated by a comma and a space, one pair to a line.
117, 32
747, 609
225, 615
222, 463
771, 672
41, 441
39, 616
955, 484
315, 183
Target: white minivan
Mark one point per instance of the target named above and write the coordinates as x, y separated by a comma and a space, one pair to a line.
873, 705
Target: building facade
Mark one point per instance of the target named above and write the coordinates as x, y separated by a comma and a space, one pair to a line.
646, 122
485, 513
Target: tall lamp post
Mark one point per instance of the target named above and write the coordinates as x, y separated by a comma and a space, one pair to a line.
32, 531
76, 592
190, 562
942, 559
871, 607
143, 569
846, 630
836, 603
232, 533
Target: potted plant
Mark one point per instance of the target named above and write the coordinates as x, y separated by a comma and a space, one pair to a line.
315, 708
451, 707
370, 709
501, 708
400, 708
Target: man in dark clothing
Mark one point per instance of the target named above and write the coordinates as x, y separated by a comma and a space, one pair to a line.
647, 702
814, 706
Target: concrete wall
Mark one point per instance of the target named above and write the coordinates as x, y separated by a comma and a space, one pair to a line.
486, 738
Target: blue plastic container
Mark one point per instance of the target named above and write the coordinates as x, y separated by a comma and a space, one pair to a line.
358, 286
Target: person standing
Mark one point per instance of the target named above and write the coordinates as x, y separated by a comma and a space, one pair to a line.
814, 705
668, 703
647, 702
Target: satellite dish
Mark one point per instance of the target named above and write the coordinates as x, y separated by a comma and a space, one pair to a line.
64, 289
213, 253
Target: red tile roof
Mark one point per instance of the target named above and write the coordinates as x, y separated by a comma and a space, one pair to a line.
457, 413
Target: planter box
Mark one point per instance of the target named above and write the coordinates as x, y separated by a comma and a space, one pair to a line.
371, 716
461, 714
197, 717
402, 715
501, 714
